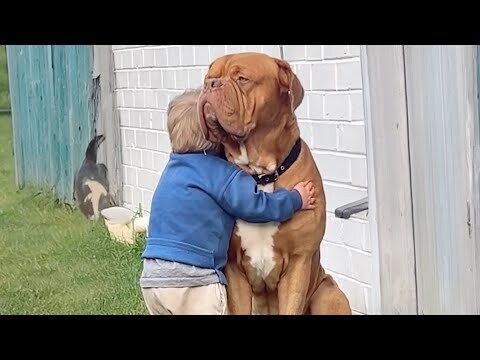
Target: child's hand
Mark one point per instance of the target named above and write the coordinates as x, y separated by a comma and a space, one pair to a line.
306, 190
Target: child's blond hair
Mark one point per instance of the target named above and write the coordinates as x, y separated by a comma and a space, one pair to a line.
184, 125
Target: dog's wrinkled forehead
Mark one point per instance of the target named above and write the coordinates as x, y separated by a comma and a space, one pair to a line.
251, 64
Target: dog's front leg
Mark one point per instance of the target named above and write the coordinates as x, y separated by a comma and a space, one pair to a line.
239, 291
293, 286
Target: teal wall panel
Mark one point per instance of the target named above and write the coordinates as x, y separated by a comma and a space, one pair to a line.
50, 89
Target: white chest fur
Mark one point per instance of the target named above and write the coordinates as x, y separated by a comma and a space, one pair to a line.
257, 241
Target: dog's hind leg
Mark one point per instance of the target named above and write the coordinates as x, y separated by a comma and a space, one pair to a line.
328, 299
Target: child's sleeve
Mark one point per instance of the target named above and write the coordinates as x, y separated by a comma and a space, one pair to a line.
242, 199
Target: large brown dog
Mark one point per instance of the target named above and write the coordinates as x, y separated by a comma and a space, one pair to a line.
248, 103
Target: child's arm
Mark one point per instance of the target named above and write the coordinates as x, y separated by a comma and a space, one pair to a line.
242, 199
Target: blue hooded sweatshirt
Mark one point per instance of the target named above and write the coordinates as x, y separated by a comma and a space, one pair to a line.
197, 200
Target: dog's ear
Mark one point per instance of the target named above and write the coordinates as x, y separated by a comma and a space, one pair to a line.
290, 83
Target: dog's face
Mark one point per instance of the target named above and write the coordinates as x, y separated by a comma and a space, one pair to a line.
246, 91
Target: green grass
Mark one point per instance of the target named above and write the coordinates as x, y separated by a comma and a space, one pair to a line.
4, 99
54, 261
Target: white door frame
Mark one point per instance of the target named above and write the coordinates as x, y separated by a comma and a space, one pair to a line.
390, 204
422, 135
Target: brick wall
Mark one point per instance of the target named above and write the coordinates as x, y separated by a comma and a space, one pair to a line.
331, 121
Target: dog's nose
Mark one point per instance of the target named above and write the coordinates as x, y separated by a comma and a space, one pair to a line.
213, 83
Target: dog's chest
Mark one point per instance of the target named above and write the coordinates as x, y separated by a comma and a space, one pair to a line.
257, 241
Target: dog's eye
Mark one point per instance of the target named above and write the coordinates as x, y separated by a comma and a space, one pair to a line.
242, 79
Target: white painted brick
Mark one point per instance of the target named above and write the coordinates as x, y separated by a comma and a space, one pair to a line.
124, 117
130, 174
120, 99
304, 74
334, 230
141, 140
323, 76
159, 161
306, 131
162, 99
314, 52
195, 78
338, 195
149, 57
128, 137
122, 80
336, 257
202, 56
337, 106
144, 79
136, 197
233, 49
356, 106
302, 110
127, 194
354, 233
354, 292
137, 56
294, 52
163, 142
349, 75
168, 79
253, 48
216, 51
315, 106
354, 50
128, 98
139, 99
127, 60
362, 266
120, 47
117, 60
145, 119
351, 138
181, 79
186, 56
324, 136
133, 79
359, 172
161, 58
150, 99
152, 140
173, 54
147, 198
333, 167
158, 120
204, 72
335, 51
136, 157
126, 156
147, 179
272, 50
156, 79
135, 118
147, 159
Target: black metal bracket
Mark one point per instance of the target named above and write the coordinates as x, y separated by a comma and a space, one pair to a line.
345, 211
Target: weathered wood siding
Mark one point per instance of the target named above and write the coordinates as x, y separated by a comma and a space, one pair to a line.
443, 118
50, 89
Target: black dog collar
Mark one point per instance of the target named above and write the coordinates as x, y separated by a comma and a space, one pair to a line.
264, 179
